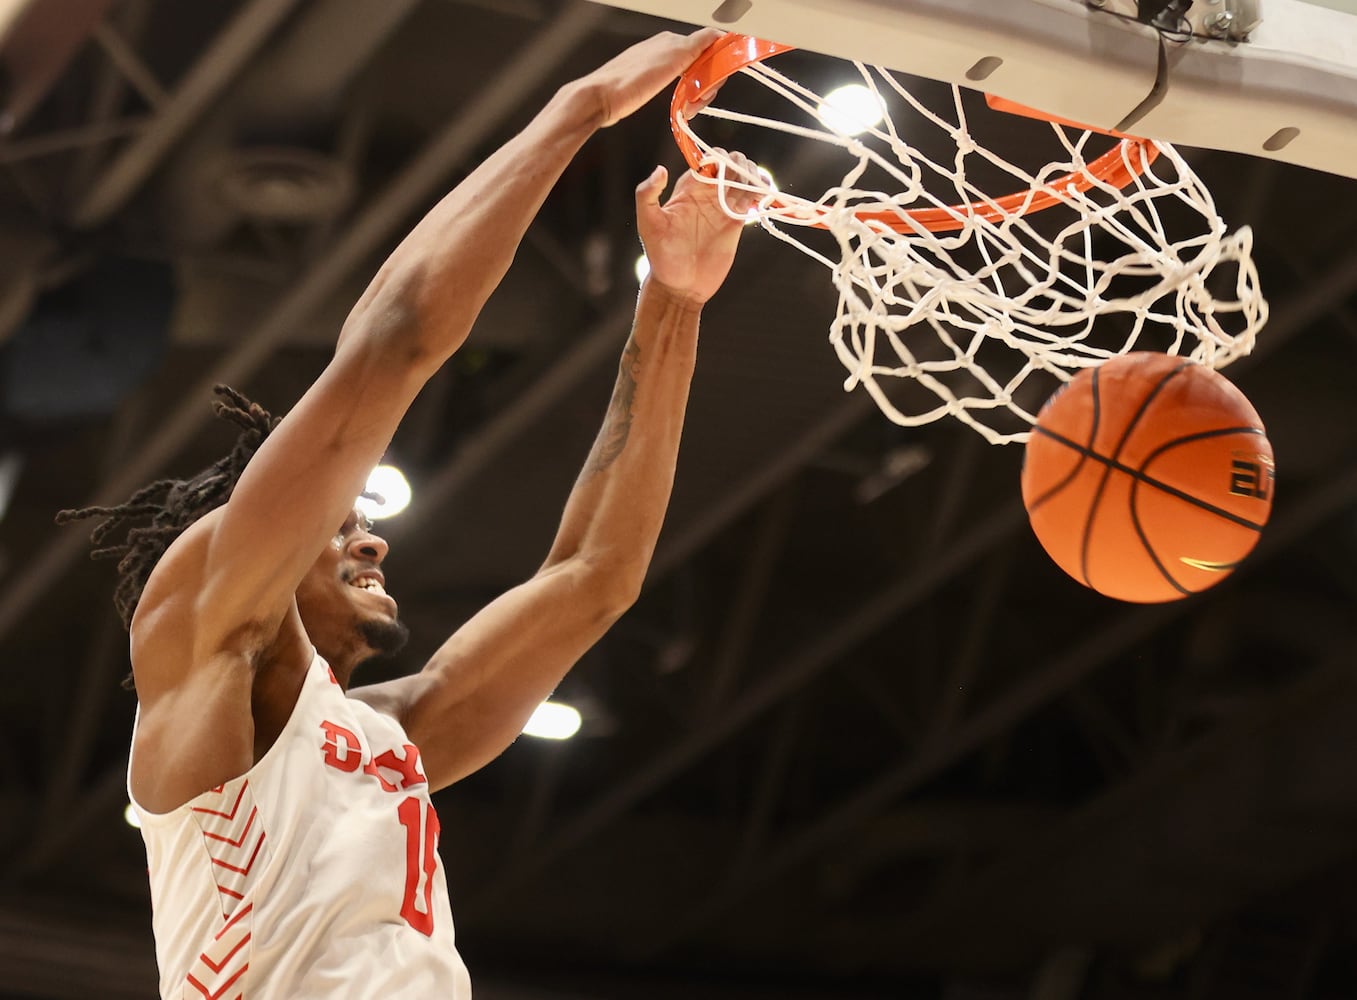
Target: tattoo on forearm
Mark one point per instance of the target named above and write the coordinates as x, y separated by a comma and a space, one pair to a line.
617, 425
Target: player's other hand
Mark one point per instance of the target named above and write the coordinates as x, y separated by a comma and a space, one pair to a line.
630, 79
690, 240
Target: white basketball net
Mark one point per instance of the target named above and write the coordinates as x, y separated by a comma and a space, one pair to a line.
1103, 279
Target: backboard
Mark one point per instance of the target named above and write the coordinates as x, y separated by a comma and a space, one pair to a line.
1270, 78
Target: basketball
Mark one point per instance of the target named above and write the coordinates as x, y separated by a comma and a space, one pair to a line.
1148, 478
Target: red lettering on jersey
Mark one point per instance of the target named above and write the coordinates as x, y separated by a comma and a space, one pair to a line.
408, 766
342, 749
371, 768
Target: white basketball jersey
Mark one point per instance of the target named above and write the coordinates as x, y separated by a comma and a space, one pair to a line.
313, 875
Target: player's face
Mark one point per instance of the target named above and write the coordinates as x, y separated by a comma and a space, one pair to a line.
343, 600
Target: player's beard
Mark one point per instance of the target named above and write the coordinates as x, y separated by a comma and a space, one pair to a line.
384, 638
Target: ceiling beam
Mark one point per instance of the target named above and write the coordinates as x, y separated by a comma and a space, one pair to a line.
39, 41
751, 595
214, 71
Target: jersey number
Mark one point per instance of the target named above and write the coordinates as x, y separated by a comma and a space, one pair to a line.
421, 840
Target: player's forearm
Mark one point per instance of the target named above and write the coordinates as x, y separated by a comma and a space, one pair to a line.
434, 284
614, 514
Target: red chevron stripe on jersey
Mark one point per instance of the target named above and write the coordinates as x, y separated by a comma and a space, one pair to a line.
221, 966
221, 790
235, 838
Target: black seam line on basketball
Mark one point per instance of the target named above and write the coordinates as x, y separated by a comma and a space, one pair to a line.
1164, 571
1092, 436
1145, 544
1243, 522
1086, 541
1150, 397
1141, 477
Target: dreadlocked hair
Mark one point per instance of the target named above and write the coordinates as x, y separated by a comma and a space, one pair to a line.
172, 504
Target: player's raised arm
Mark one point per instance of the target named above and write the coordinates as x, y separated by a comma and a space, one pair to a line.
417, 311
478, 690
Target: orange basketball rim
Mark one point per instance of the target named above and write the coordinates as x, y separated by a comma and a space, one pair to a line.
1119, 166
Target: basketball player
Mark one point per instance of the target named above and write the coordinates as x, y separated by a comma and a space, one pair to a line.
291, 840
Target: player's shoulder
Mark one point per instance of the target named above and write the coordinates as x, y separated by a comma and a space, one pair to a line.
178, 571
173, 617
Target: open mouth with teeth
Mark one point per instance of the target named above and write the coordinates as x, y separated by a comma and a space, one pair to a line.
369, 583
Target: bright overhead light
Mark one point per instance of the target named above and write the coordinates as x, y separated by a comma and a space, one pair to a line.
642, 268
389, 483
851, 110
131, 817
553, 720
